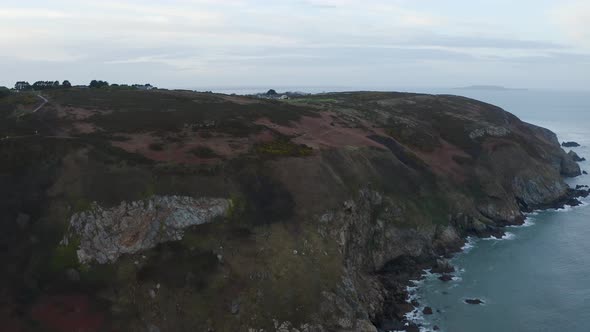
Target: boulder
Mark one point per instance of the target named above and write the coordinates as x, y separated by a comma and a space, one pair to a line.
446, 277
235, 307
427, 311
443, 266
474, 301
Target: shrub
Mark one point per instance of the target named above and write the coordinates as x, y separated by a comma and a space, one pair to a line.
283, 147
204, 152
156, 146
4, 92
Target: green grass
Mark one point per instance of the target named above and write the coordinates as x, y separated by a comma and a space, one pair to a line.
140, 111
65, 256
413, 137
81, 204
282, 147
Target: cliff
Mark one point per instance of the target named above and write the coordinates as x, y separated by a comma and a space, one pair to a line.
180, 211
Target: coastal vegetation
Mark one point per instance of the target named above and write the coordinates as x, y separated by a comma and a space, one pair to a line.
335, 201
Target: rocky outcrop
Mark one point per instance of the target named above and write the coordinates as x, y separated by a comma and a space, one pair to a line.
569, 167
575, 156
489, 131
107, 233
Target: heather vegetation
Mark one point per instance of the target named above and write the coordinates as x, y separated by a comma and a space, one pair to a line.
328, 196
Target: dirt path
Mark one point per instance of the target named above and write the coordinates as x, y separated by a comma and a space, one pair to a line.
28, 136
45, 101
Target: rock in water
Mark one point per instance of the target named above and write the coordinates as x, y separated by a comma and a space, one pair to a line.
570, 144
106, 234
569, 167
474, 301
575, 156
446, 277
427, 311
443, 266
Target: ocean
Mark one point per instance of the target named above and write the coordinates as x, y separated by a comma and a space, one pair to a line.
537, 278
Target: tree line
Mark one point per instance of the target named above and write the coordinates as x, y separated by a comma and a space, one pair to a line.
94, 84
41, 85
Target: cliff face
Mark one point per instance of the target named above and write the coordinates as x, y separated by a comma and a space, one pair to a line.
106, 234
235, 214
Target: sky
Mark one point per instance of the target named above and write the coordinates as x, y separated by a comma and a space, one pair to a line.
348, 43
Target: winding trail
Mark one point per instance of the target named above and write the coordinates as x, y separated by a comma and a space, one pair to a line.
45, 101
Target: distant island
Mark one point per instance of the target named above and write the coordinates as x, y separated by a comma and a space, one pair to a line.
488, 87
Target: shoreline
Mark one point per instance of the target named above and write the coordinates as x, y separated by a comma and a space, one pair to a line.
414, 319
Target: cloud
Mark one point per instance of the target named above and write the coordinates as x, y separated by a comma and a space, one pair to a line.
247, 40
574, 20
28, 13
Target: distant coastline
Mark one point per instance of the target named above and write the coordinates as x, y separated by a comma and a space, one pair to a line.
489, 88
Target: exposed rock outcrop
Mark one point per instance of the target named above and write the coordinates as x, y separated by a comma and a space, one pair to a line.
575, 156
107, 233
489, 131
569, 167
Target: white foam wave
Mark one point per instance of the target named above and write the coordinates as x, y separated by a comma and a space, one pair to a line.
469, 244
417, 317
565, 208
506, 236
528, 222
412, 291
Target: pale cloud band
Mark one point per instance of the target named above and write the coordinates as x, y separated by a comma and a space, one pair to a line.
190, 43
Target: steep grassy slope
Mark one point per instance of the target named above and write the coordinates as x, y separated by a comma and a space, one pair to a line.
336, 201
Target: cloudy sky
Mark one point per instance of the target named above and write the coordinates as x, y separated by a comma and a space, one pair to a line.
351, 43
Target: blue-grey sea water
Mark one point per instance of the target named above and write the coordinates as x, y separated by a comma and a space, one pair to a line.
538, 277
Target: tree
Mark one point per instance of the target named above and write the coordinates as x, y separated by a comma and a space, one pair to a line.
22, 85
66, 84
4, 92
271, 92
98, 84
42, 85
